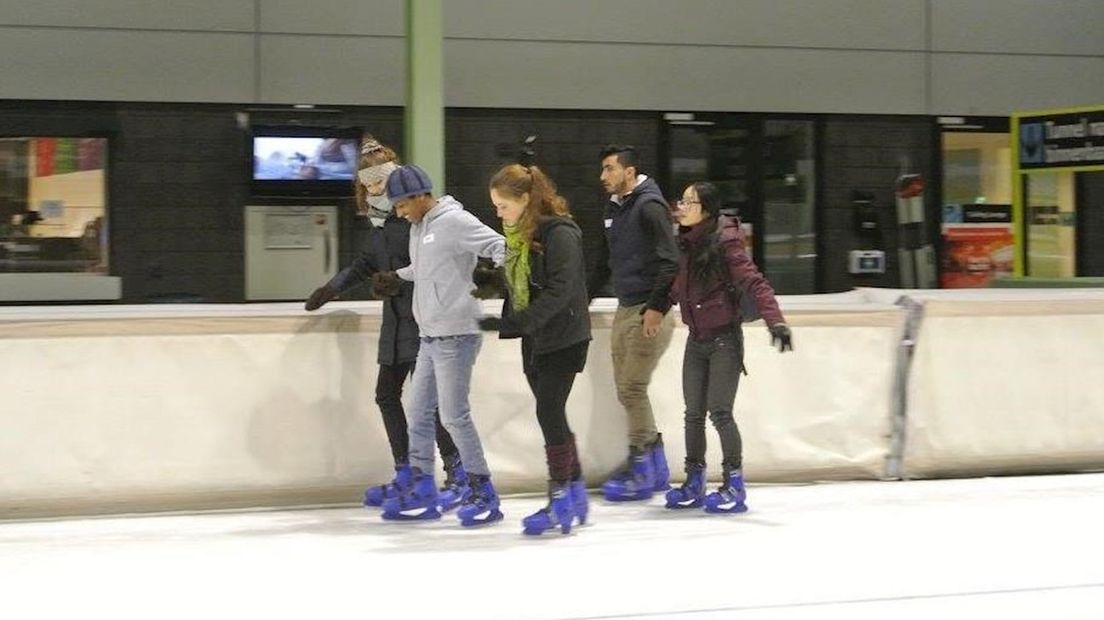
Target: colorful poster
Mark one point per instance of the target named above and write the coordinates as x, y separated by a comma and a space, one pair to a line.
65, 155
977, 245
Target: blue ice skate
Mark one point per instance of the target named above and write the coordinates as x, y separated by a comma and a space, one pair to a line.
456, 487
376, 495
692, 492
635, 482
481, 505
417, 502
560, 512
579, 500
729, 499
659, 464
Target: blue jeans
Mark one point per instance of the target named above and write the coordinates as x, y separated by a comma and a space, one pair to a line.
442, 381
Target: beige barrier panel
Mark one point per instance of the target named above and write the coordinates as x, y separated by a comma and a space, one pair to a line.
127, 409
1007, 384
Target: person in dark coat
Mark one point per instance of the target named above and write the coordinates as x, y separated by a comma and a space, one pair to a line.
638, 256
714, 271
386, 250
547, 307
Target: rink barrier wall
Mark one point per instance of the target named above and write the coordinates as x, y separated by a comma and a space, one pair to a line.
183, 407
112, 409
1005, 382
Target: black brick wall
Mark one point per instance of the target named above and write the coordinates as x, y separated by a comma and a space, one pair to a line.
478, 142
178, 181
868, 155
178, 178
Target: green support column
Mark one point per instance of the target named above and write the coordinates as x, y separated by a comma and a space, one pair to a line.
424, 118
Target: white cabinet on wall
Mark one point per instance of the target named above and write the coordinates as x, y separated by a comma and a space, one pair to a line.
289, 250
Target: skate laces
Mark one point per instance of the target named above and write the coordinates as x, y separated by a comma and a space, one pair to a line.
727, 491
478, 495
626, 471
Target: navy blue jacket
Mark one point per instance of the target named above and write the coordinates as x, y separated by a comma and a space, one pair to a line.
639, 254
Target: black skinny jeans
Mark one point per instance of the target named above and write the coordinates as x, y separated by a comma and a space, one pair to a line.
710, 377
389, 386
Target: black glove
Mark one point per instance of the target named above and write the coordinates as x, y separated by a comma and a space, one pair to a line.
490, 281
490, 324
320, 297
781, 337
386, 284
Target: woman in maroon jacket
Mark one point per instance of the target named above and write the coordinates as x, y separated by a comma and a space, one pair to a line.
714, 271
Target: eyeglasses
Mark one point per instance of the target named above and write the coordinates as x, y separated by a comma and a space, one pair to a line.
684, 203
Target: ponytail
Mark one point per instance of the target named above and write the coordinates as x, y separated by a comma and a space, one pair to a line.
516, 180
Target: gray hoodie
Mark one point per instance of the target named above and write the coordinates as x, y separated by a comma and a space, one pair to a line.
444, 248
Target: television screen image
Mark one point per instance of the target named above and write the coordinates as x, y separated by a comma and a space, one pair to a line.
304, 159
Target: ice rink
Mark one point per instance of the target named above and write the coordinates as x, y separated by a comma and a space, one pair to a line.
1028, 547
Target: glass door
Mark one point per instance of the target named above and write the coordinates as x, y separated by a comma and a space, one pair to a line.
788, 178
766, 172
1051, 221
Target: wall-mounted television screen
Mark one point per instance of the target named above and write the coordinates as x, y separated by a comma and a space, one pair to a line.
304, 161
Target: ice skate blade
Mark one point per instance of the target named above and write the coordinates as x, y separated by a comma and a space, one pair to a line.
537, 531
727, 509
484, 518
694, 503
422, 514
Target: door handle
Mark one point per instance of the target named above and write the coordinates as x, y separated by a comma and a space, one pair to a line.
326, 246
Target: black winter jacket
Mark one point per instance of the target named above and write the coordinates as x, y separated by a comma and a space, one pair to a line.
558, 315
387, 249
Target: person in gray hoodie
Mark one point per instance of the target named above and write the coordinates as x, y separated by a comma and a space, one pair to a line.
445, 243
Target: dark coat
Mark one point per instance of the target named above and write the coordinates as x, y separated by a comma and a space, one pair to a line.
638, 252
558, 315
387, 249
709, 308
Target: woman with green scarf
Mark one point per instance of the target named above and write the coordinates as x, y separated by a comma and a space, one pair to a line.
547, 307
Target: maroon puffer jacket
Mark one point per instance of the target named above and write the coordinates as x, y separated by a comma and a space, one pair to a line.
709, 309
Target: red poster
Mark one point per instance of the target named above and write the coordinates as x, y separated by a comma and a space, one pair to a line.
44, 156
973, 254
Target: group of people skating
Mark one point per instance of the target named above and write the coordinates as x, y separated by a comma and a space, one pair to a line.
429, 260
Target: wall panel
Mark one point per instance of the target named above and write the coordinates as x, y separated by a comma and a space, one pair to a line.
121, 65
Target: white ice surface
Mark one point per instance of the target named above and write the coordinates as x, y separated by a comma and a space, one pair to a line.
1030, 547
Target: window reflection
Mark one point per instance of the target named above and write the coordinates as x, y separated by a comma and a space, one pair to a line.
52, 205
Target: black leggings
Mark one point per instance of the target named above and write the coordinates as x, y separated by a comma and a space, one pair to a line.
710, 377
551, 377
389, 386
551, 390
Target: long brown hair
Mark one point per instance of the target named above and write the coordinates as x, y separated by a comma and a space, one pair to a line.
516, 180
372, 153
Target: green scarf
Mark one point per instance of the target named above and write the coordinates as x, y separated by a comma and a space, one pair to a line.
517, 267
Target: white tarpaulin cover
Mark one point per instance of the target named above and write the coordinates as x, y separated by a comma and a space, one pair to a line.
111, 408
1007, 381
